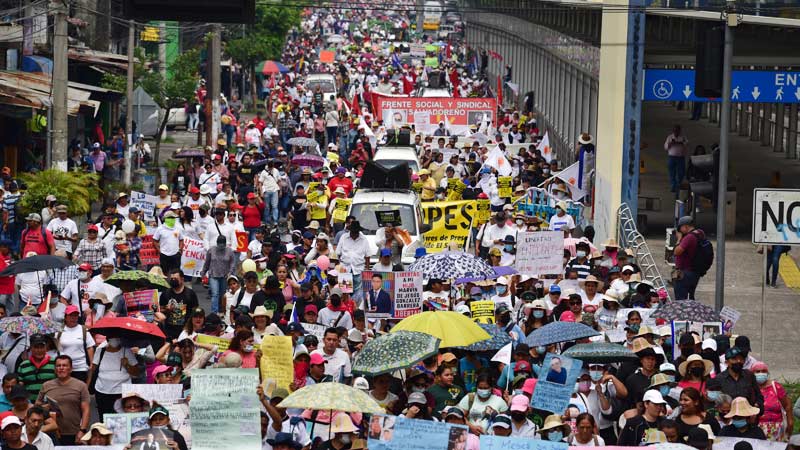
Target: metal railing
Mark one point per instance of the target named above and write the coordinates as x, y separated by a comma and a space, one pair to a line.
629, 237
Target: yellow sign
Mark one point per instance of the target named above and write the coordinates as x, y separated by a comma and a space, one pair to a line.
483, 211
416, 187
341, 208
455, 187
504, 189
482, 311
150, 34
276, 360
313, 195
221, 343
449, 221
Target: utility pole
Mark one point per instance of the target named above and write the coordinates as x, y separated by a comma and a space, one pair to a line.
60, 82
129, 107
420, 15
216, 82
732, 20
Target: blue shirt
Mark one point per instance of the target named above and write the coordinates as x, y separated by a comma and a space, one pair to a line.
5, 405
469, 372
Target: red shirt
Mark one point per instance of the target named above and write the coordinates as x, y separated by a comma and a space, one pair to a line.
251, 215
6, 283
344, 183
689, 244
32, 241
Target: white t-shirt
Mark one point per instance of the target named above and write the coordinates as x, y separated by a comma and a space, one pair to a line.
336, 365
494, 233
98, 285
328, 317
73, 290
478, 409
442, 298
595, 301
30, 286
560, 223
71, 343
498, 300
63, 228
246, 298
111, 375
168, 239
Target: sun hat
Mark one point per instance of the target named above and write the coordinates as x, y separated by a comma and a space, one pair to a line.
120, 401
657, 380
100, 428
554, 421
741, 407
707, 365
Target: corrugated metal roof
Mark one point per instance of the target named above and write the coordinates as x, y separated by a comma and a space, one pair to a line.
34, 90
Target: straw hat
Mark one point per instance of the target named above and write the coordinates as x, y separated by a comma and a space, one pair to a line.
741, 408
611, 242
611, 295
342, 424
657, 380
554, 421
261, 311
100, 427
644, 330
639, 345
707, 365
591, 279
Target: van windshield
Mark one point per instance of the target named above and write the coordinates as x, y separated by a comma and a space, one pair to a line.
326, 85
365, 214
392, 163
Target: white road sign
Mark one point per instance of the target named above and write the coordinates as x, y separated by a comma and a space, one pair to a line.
776, 216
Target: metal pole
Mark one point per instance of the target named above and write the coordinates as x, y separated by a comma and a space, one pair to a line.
216, 82
724, 126
60, 81
420, 15
129, 106
764, 299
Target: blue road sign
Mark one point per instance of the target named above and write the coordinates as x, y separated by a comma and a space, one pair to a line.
750, 86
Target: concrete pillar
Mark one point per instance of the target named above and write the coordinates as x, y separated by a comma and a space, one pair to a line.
742, 119
777, 145
755, 114
791, 138
766, 123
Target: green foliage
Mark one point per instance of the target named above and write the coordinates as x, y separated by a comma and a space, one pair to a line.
173, 92
77, 190
264, 40
120, 82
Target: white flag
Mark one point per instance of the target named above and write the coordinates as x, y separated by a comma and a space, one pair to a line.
503, 355
570, 176
497, 160
544, 147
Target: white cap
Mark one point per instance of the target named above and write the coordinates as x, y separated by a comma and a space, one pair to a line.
463, 309
653, 396
175, 205
502, 280
10, 420
361, 383
628, 267
709, 343
355, 335
665, 331
666, 367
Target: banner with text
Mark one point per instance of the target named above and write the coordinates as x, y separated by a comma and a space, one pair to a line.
426, 113
193, 257
540, 253
449, 221
225, 409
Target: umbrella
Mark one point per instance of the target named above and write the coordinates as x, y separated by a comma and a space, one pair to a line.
335, 39
34, 264
499, 271
29, 325
259, 163
271, 67
452, 265
504, 271
394, 351
600, 353
332, 396
308, 160
139, 279
189, 153
682, 310
454, 329
499, 338
129, 328
302, 142
556, 332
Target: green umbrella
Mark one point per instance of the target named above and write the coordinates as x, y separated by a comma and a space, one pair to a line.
332, 396
140, 280
394, 351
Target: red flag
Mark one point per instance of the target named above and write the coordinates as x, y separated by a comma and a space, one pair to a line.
355, 109
499, 91
448, 51
241, 241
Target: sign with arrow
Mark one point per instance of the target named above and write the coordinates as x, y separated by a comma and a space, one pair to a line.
747, 86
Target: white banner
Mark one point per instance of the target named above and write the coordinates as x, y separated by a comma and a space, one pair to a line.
540, 253
193, 257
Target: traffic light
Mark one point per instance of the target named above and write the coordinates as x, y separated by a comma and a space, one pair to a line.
211, 11
704, 175
708, 61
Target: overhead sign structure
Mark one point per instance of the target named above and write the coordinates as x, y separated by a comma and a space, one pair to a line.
776, 216
747, 86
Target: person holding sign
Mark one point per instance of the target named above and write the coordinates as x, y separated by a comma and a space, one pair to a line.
428, 185
379, 301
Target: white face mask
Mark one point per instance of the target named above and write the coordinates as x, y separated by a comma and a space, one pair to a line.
520, 222
114, 342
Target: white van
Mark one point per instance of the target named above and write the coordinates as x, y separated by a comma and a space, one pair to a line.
326, 81
391, 157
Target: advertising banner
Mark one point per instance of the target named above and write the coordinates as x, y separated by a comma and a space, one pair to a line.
460, 113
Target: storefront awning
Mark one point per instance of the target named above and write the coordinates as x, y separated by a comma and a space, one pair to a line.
33, 90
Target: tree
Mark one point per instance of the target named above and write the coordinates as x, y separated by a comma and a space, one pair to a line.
264, 39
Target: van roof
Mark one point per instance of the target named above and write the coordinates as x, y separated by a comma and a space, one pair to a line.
399, 196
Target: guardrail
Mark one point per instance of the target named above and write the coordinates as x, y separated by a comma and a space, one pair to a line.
629, 237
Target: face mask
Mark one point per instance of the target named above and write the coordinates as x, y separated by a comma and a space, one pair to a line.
501, 290
520, 222
248, 348
737, 368
541, 349
668, 342
596, 375
634, 328
476, 298
518, 392
671, 378
713, 395
538, 313
344, 438
170, 222
417, 389
555, 436
696, 371
584, 386
664, 390
508, 248
762, 378
300, 340
83, 275
580, 253
739, 423
483, 393
114, 342
545, 171
160, 427
174, 283
517, 416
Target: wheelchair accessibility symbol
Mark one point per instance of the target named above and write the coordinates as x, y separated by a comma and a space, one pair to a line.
662, 89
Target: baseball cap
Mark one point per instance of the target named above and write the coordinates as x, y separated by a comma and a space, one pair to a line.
161, 369
555, 289
417, 398
316, 359
10, 420
361, 383
653, 396
386, 252
502, 421
310, 308
519, 403
163, 187
71, 309
158, 410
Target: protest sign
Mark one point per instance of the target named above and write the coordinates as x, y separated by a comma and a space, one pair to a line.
345, 282
141, 302
504, 188
490, 442
312, 193
728, 443
314, 329
400, 433
729, 317
122, 426
482, 211
540, 253
460, 112
449, 222
482, 311
161, 393
388, 218
556, 383
417, 50
341, 208
241, 241
193, 257
378, 293
221, 342
703, 330
146, 204
539, 203
416, 187
407, 294
152, 438
276, 360
225, 409
455, 188
148, 255
92, 447
644, 313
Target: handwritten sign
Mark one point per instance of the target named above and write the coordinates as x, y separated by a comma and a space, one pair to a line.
207, 383
161, 393
146, 203
148, 255
482, 311
225, 409
315, 329
489, 442
193, 257
407, 294
540, 253
729, 317
504, 188
221, 342
276, 359
141, 302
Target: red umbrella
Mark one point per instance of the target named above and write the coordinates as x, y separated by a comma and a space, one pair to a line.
129, 328
273, 67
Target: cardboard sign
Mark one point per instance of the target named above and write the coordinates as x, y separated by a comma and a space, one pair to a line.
504, 188
556, 383
276, 360
148, 255
242, 241
388, 218
193, 257
221, 342
540, 253
482, 311
146, 204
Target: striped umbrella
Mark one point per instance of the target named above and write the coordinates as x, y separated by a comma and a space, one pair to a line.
272, 67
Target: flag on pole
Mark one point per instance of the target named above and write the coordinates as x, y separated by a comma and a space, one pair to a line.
499, 91
544, 147
570, 176
503, 355
355, 109
497, 160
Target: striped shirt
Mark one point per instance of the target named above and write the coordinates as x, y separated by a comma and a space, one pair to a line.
10, 201
583, 268
91, 252
34, 377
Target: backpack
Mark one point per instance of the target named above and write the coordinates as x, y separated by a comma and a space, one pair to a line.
703, 255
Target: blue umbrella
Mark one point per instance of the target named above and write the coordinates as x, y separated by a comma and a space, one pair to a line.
499, 271
499, 338
556, 332
601, 353
450, 265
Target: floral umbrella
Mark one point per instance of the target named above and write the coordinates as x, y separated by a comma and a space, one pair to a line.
691, 310
556, 332
331, 396
448, 265
29, 325
139, 280
394, 351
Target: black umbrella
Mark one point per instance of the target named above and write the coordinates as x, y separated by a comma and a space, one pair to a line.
34, 264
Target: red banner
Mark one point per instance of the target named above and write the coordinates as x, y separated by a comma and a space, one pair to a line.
241, 241
148, 256
426, 113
